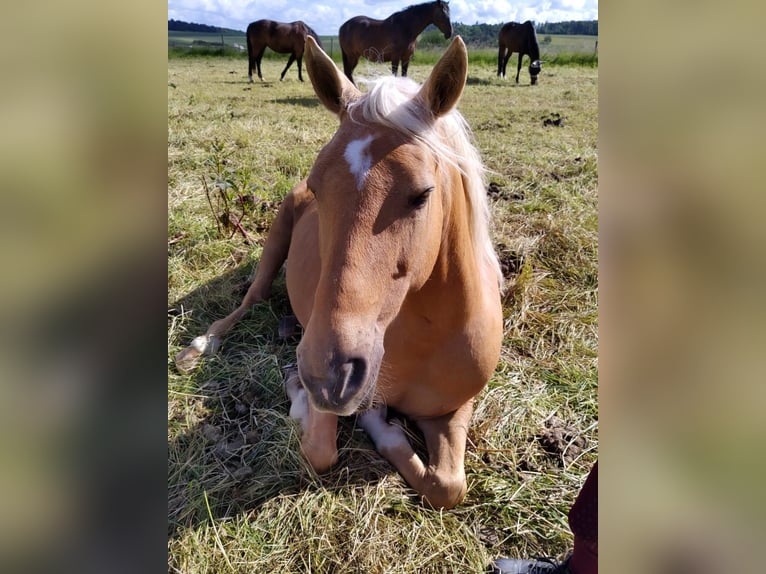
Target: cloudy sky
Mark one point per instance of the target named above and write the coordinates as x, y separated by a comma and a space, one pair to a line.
326, 16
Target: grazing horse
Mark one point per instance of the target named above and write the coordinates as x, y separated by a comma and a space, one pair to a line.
392, 39
519, 38
282, 38
391, 270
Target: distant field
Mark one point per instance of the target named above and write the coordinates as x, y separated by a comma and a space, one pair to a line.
234, 43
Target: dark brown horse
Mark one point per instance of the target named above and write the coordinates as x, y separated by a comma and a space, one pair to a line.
390, 40
520, 38
280, 37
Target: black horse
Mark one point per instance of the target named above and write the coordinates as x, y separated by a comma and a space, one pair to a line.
390, 40
521, 38
282, 38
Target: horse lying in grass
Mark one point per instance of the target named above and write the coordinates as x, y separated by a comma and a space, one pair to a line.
391, 271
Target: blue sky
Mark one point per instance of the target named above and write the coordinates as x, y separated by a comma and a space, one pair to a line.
326, 16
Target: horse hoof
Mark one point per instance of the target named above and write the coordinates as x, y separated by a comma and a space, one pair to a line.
204, 345
187, 360
288, 327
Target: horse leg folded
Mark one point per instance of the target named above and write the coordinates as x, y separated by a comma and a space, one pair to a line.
442, 482
289, 63
274, 254
318, 430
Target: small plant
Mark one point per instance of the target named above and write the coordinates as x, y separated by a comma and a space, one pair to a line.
233, 194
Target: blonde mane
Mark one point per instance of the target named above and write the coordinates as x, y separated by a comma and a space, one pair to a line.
391, 101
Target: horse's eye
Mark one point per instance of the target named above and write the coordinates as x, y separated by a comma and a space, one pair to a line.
420, 199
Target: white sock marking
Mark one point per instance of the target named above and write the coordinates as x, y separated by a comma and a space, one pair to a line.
383, 434
358, 158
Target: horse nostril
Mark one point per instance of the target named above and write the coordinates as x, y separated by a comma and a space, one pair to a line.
352, 374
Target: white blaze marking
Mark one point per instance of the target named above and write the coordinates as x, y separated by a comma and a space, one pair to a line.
358, 158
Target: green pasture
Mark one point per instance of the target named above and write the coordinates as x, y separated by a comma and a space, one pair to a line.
564, 48
240, 496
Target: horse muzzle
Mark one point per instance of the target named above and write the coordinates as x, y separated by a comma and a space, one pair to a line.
340, 385
534, 70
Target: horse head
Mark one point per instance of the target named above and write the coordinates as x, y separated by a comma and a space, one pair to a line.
534, 70
442, 18
381, 194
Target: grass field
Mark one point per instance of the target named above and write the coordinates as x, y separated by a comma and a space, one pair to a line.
180, 43
241, 498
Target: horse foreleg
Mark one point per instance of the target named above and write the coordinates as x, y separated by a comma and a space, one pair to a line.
395, 67
348, 65
289, 63
442, 482
405, 65
518, 67
274, 254
501, 63
300, 65
258, 58
318, 430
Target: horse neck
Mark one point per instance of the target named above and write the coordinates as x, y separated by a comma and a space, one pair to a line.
533, 48
415, 19
457, 276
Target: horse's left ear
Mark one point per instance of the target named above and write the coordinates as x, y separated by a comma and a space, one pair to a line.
443, 88
332, 88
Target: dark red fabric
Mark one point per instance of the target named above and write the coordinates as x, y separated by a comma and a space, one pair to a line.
583, 520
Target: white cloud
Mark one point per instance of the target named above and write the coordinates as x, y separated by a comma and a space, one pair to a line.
326, 16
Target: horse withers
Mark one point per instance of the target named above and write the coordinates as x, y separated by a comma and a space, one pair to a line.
520, 38
283, 38
393, 39
391, 270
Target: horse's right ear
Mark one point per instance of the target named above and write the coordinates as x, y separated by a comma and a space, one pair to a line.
443, 88
332, 88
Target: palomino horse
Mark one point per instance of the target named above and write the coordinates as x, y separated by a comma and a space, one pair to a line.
391, 270
390, 40
519, 38
280, 37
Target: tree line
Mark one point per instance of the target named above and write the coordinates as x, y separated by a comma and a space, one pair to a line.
571, 27
181, 26
473, 34
486, 34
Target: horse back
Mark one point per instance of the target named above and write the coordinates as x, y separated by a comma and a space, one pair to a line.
359, 33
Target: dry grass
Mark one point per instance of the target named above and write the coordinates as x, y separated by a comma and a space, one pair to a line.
241, 498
